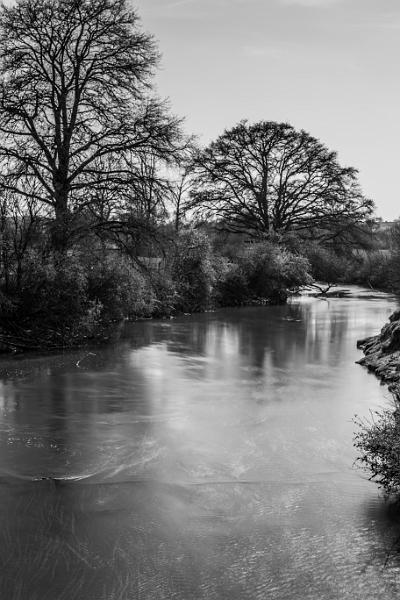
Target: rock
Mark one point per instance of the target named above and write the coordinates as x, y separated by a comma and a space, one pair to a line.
395, 316
382, 353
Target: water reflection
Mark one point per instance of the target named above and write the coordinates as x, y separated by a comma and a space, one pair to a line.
203, 457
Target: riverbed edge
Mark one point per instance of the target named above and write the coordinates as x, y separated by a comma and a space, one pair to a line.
382, 354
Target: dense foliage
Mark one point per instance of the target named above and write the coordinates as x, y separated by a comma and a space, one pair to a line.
265, 271
378, 442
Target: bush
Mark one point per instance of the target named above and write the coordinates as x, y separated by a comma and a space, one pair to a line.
326, 265
378, 442
51, 306
192, 271
53, 289
374, 268
162, 297
63, 300
273, 270
231, 286
119, 287
266, 272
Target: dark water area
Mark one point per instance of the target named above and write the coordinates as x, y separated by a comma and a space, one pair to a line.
206, 457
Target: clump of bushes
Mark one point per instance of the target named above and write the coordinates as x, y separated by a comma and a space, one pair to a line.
192, 272
162, 296
326, 265
378, 442
119, 288
266, 272
63, 300
273, 270
231, 285
375, 268
52, 296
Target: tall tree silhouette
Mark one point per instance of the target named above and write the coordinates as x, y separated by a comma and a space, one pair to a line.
269, 177
76, 105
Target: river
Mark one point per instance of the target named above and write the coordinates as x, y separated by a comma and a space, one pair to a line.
204, 457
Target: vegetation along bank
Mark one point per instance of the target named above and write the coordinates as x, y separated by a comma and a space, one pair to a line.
110, 210
378, 439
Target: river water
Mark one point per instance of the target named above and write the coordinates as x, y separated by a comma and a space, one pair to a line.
205, 457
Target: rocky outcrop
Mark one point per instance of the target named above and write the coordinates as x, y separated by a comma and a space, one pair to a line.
382, 354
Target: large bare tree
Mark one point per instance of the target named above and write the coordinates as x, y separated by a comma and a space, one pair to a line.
76, 107
269, 177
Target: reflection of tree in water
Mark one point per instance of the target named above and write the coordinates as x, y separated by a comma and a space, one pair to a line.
73, 403
295, 333
73, 400
221, 344
326, 327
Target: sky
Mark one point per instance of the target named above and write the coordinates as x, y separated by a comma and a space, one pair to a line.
327, 66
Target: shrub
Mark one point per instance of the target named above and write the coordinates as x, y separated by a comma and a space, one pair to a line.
119, 287
162, 295
273, 270
53, 289
378, 441
373, 268
192, 271
231, 286
63, 300
326, 265
265, 272
51, 305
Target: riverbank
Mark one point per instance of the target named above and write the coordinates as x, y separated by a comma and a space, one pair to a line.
17, 340
382, 354
25, 341
377, 439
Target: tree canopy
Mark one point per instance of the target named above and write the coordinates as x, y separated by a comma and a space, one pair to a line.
270, 177
76, 110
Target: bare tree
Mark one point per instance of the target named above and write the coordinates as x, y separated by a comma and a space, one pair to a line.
269, 177
178, 194
75, 102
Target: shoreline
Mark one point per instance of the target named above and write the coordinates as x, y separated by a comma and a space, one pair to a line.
24, 343
382, 354
12, 346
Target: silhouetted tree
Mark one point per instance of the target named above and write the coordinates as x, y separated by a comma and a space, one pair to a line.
268, 177
178, 195
75, 109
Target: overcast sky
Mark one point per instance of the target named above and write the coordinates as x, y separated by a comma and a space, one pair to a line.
327, 66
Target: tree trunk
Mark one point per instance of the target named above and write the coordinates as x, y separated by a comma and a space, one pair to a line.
263, 203
61, 229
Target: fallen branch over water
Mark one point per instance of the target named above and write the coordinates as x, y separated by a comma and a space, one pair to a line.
322, 290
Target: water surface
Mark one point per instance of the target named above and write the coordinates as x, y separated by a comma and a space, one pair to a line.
205, 457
